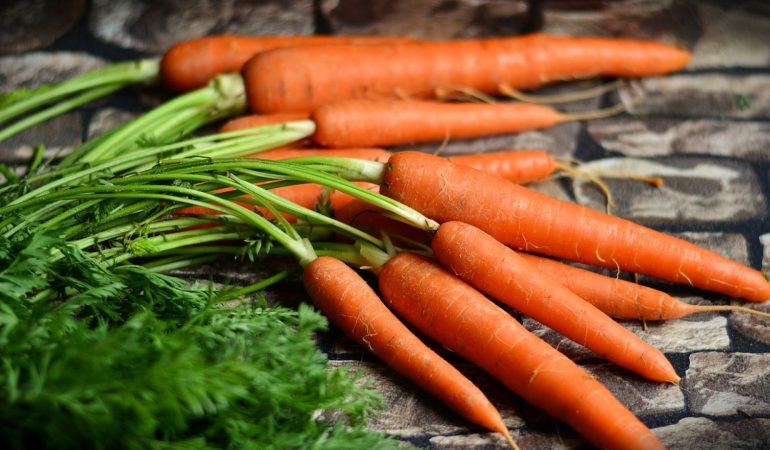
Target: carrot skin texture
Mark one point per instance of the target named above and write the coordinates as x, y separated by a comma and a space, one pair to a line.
348, 302
459, 317
618, 298
300, 79
517, 166
257, 120
531, 221
494, 269
363, 123
191, 64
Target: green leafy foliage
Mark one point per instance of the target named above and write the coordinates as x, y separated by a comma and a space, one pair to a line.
121, 357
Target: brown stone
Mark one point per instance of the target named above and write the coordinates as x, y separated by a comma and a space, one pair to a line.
33, 24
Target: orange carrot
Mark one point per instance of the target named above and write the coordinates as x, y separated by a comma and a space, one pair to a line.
300, 79
486, 264
257, 120
620, 298
460, 318
361, 123
191, 64
535, 222
348, 301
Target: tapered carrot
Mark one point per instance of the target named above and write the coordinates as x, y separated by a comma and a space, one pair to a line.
620, 298
191, 64
535, 222
300, 79
362, 123
348, 301
486, 264
257, 120
460, 318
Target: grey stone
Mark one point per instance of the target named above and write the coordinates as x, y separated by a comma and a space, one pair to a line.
752, 326
700, 95
695, 190
33, 69
59, 136
154, 26
560, 140
411, 412
700, 432
726, 384
427, 18
33, 24
654, 137
765, 241
643, 398
732, 36
674, 336
106, 119
672, 21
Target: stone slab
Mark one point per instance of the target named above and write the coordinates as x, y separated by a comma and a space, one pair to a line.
733, 36
695, 190
655, 137
426, 18
154, 26
701, 432
33, 24
33, 69
728, 384
704, 95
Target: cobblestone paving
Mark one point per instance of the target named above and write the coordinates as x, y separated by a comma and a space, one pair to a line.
704, 131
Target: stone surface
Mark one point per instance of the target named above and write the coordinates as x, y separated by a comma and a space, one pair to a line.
672, 21
695, 190
643, 398
427, 18
559, 141
32, 24
106, 119
153, 26
59, 136
713, 95
733, 35
708, 332
655, 137
700, 432
33, 69
720, 384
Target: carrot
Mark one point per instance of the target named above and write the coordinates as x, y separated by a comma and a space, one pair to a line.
348, 301
361, 123
531, 221
257, 120
620, 298
366, 216
300, 79
486, 264
191, 64
460, 318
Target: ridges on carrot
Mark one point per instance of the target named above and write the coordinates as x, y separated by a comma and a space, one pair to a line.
460, 318
535, 222
488, 265
300, 79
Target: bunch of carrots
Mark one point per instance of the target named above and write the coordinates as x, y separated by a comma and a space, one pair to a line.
478, 231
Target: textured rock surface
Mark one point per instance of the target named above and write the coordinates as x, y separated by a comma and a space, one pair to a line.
694, 190
33, 24
700, 432
719, 384
428, 18
154, 25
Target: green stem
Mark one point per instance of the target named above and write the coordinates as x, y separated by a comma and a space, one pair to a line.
56, 110
142, 71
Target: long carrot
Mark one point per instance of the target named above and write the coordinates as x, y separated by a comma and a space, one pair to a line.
362, 123
486, 264
348, 301
620, 298
535, 222
257, 120
460, 318
300, 79
191, 64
